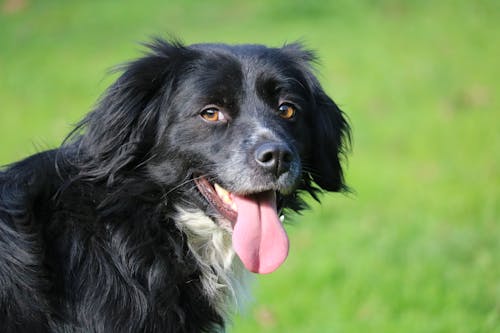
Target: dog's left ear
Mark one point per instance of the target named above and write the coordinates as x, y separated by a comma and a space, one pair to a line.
331, 139
331, 134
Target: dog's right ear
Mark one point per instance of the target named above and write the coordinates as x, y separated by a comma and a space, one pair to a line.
121, 130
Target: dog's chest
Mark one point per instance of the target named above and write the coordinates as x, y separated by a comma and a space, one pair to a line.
224, 278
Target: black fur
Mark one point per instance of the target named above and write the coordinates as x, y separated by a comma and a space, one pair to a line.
87, 238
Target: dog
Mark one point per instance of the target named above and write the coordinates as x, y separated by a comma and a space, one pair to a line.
163, 200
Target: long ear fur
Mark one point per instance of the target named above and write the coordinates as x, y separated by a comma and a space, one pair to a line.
330, 129
121, 130
331, 140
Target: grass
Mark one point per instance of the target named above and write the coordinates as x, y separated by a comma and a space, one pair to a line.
416, 248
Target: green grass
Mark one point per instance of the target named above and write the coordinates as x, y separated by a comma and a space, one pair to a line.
417, 247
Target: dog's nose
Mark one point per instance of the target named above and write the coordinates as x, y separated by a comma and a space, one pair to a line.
274, 157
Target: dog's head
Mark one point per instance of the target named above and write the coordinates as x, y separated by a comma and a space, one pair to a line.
249, 125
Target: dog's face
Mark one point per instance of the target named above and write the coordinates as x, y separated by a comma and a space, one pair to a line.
241, 121
249, 125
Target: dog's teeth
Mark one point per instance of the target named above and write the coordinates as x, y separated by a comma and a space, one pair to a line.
282, 218
220, 191
226, 200
224, 195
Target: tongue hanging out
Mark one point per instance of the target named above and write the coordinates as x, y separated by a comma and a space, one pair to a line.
259, 238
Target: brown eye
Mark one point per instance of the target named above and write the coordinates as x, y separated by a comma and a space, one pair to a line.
212, 114
286, 111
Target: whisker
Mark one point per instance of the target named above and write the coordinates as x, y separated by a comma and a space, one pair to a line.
187, 181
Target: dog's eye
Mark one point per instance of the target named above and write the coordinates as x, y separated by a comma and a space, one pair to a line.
212, 114
286, 111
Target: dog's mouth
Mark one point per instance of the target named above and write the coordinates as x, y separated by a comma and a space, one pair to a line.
219, 198
259, 238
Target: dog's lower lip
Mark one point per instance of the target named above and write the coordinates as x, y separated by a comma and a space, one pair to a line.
211, 195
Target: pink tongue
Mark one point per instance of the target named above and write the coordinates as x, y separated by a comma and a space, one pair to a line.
259, 238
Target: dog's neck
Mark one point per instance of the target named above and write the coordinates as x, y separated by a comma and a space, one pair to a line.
223, 276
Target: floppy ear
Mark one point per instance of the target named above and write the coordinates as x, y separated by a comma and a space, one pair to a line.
331, 139
121, 130
331, 135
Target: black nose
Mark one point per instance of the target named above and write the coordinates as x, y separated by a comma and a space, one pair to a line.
274, 157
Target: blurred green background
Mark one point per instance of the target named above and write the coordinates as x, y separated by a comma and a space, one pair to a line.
416, 248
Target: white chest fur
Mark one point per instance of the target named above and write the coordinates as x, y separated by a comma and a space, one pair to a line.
224, 278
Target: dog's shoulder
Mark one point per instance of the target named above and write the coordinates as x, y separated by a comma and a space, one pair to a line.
29, 178
23, 275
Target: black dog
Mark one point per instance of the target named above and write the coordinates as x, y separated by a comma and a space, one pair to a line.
132, 225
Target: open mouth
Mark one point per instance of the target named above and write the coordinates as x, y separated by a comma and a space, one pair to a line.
259, 238
220, 198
